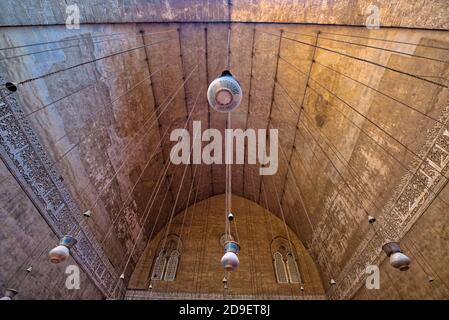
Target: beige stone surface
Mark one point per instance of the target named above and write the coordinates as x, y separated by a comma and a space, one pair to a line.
410, 14
25, 240
349, 151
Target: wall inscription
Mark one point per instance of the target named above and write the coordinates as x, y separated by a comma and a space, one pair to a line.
416, 191
25, 157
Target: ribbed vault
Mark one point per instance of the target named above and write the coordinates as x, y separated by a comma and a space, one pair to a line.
357, 112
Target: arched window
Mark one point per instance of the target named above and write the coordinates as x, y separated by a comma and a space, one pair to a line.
159, 266
279, 267
172, 266
166, 263
293, 271
284, 260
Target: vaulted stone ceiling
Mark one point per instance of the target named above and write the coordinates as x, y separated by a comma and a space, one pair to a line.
357, 111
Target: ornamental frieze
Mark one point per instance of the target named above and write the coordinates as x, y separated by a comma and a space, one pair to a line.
416, 191
25, 157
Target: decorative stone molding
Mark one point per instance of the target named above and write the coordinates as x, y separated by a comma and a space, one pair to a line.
25, 157
150, 295
412, 197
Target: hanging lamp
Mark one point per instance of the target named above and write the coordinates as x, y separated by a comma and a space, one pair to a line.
62, 252
224, 93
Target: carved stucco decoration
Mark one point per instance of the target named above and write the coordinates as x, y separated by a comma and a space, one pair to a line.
411, 198
149, 295
25, 157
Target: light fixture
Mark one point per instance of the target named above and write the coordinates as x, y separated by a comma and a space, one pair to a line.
62, 252
122, 276
11, 86
301, 288
224, 93
230, 261
332, 282
29, 269
230, 216
9, 294
397, 259
371, 219
87, 214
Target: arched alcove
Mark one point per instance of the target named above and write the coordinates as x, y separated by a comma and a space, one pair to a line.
200, 228
361, 114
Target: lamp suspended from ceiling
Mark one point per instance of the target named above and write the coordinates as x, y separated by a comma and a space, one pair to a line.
224, 93
62, 252
9, 294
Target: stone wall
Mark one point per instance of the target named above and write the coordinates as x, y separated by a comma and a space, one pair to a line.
72, 113
200, 274
25, 240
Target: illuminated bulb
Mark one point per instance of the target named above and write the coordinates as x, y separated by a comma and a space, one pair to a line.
224, 93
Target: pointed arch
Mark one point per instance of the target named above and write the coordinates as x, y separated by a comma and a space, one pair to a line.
279, 268
172, 266
159, 267
293, 270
